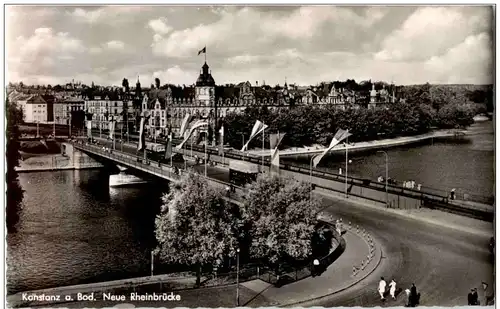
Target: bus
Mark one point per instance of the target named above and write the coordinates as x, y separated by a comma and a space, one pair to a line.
155, 147
242, 172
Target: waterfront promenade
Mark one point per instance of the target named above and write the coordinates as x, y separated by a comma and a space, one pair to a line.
378, 144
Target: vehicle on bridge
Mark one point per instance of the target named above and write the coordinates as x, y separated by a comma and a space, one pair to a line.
242, 172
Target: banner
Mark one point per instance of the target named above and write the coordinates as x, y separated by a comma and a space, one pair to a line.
196, 125
221, 132
142, 132
275, 139
275, 156
257, 128
168, 149
339, 136
184, 124
111, 127
89, 128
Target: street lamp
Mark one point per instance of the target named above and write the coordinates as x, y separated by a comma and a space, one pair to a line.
310, 176
237, 277
152, 262
242, 143
386, 177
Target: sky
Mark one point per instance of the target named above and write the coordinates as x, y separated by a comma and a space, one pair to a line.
300, 44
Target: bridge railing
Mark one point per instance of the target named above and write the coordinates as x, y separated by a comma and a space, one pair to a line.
165, 170
368, 183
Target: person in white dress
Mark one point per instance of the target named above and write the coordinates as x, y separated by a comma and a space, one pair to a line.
392, 289
381, 288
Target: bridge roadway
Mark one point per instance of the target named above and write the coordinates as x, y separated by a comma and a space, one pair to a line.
443, 263
403, 197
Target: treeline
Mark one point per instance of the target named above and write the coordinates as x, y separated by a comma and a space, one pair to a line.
308, 125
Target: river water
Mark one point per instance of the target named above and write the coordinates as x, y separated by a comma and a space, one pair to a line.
74, 229
466, 165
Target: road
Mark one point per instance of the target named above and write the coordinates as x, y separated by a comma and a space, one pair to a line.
213, 172
444, 264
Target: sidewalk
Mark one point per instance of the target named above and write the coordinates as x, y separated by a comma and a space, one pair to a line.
390, 142
337, 277
436, 217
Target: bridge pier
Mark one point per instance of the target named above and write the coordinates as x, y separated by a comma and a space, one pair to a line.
78, 159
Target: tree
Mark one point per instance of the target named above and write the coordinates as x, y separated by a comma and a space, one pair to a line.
14, 190
280, 218
196, 225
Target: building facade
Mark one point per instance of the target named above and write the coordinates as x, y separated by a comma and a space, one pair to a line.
63, 109
37, 108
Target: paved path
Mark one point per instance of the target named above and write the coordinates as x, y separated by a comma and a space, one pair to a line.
338, 276
398, 141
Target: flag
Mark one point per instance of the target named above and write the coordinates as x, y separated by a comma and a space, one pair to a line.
275, 139
196, 125
275, 157
203, 51
142, 132
168, 149
221, 132
257, 128
111, 125
89, 128
337, 138
485, 286
184, 124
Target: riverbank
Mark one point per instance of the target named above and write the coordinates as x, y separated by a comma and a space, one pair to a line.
361, 146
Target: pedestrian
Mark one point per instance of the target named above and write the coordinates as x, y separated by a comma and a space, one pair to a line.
381, 288
413, 296
407, 291
315, 271
452, 194
392, 289
470, 298
413, 184
419, 187
475, 297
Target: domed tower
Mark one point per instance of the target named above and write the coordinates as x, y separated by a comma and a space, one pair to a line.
205, 97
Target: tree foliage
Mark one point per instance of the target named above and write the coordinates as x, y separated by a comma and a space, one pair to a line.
14, 190
280, 219
196, 225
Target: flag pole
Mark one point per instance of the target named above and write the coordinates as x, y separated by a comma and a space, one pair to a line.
263, 146
171, 149
346, 164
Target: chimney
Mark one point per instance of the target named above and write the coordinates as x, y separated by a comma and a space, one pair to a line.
256, 83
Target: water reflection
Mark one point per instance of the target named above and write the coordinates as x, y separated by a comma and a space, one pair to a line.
74, 229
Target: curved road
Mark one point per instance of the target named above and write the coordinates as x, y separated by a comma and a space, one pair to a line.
443, 263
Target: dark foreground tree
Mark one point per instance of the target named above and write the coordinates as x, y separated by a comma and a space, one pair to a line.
280, 218
196, 225
14, 190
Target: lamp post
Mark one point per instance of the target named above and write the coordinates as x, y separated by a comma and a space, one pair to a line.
242, 143
152, 262
346, 163
37, 128
206, 141
386, 177
310, 176
237, 277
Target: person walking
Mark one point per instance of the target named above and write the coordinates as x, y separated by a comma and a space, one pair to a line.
381, 288
452, 194
470, 298
475, 297
392, 289
315, 271
414, 297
